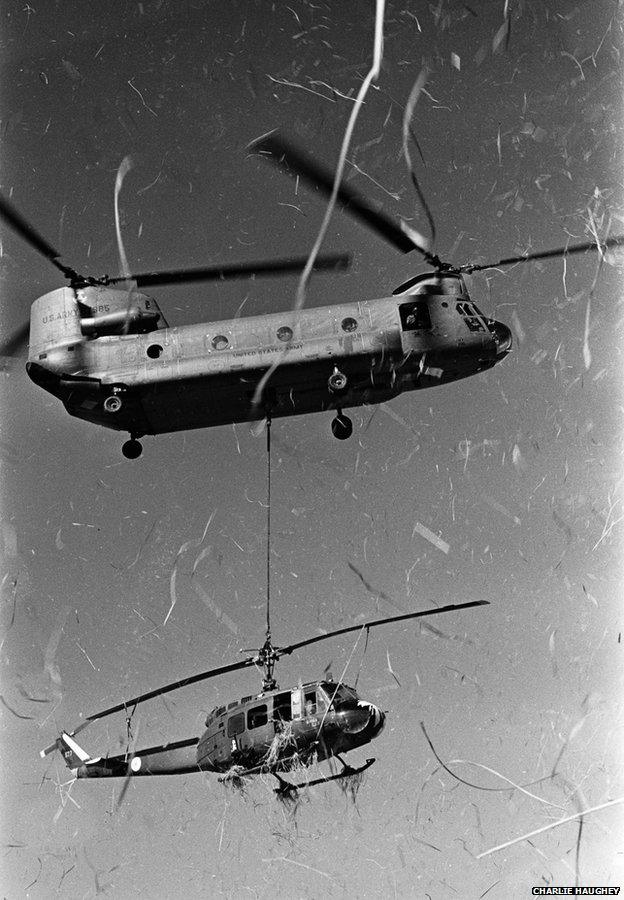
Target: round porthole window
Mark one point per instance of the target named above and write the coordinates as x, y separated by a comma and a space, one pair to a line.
220, 342
349, 324
154, 351
285, 333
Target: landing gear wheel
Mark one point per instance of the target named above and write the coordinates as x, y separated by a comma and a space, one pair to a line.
342, 427
132, 449
113, 404
337, 381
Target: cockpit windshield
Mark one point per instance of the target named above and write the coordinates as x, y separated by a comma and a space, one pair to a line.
341, 696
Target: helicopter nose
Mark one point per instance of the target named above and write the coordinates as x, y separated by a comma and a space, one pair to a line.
378, 720
503, 338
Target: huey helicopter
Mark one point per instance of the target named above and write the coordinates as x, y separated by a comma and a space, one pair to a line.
109, 355
268, 733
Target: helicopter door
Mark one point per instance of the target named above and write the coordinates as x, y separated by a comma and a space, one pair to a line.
259, 731
282, 709
415, 320
235, 726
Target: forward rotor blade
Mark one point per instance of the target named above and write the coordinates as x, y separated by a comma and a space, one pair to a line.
547, 254
15, 343
289, 158
19, 224
237, 270
284, 651
192, 679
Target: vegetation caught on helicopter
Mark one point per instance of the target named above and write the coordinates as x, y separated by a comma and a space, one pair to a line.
110, 356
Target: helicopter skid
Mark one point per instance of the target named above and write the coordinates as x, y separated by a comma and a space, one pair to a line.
285, 788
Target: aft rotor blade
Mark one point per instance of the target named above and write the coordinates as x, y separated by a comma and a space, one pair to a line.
15, 343
237, 270
547, 254
291, 159
192, 679
19, 224
284, 651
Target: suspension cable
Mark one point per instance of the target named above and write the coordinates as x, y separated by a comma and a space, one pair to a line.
268, 564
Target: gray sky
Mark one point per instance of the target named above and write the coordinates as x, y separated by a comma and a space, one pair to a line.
517, 471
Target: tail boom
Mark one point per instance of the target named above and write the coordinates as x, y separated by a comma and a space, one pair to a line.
165, 759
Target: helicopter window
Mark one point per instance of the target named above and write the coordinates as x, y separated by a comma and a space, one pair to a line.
470, 316
220, 342
236, 724
340, 695
349, 324
415, 316
257, 716
285, 333
310, 701
154, 351
282, 709
233, 704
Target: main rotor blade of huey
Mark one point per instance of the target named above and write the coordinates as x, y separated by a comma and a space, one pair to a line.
236, 270
291, 159
19, 224
15, 343
284, 651
546, 254
192, 679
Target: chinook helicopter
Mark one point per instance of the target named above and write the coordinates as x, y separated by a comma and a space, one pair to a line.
272, 732
111, 358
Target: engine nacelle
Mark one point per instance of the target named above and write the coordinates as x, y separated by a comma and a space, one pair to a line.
66, 317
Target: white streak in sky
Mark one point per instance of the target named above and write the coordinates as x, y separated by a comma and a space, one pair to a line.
359, 100
577, 815
122, 171
431, 537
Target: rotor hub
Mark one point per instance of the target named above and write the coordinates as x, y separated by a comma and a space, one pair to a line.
267, 657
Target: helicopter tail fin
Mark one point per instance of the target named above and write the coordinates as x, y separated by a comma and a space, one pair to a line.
72, 752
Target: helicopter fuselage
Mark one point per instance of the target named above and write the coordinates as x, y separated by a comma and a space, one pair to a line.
274, 731
163, 379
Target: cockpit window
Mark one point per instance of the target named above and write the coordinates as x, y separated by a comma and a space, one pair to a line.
471, 316
341, 696
309, 701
